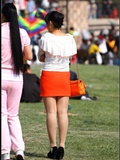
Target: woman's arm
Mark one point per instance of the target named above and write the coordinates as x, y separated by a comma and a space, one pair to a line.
27, 53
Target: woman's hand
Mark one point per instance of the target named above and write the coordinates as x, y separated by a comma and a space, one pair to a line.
42, 58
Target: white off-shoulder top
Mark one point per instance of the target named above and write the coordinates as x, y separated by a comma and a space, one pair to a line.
58, 50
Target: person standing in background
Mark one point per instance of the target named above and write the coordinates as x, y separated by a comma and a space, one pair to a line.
111, 47
55, 50
30, 6
74, 34
45, 4
93, 10
15, 46
22, 6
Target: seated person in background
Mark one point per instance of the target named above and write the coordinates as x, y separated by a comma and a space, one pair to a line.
103, 36
112, 47
82, 52
31, 86
85, 40
94, 52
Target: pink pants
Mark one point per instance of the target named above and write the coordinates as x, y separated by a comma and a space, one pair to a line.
11, 127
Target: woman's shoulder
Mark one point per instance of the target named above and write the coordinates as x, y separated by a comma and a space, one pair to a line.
23, 32
5, 27
63, 46
62, 36
47, 34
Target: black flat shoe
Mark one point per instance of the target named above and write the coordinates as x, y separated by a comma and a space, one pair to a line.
52, 154
60, 153
19, 157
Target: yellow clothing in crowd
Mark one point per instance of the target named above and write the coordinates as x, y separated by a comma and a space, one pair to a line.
93, 49
111, 44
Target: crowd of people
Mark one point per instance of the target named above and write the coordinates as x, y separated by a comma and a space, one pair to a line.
26, 7
103, 9
100, 49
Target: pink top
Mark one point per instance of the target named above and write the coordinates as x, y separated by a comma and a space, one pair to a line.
6, 47
7, 62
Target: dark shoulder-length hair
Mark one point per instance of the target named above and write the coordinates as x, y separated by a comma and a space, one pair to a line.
56, 18
10, 13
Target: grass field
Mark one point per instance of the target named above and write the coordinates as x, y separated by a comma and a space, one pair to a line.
93, 132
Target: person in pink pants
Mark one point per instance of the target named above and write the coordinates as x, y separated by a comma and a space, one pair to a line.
15, 48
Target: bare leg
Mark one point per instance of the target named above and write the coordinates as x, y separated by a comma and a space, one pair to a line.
62, 107
51, 119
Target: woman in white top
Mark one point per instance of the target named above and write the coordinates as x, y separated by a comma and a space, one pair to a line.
15, 46
55, 49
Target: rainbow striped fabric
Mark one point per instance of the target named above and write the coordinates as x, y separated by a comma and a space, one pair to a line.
34, 23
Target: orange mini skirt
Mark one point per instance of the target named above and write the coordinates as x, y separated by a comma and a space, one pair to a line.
54, 83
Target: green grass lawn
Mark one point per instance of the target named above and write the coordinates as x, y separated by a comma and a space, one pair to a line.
93, 132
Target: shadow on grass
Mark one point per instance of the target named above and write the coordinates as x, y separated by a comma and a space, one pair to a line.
30, 155
34, 155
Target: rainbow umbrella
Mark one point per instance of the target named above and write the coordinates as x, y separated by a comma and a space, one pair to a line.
32, 24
